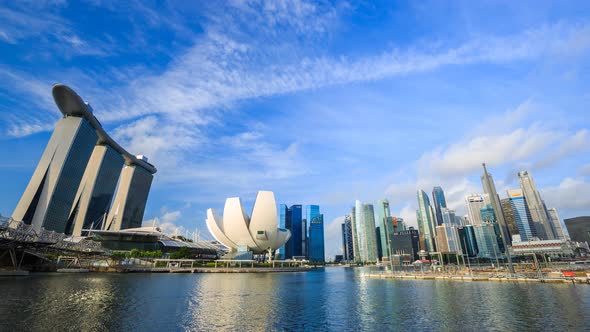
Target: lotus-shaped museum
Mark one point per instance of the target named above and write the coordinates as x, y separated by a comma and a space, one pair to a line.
239, 232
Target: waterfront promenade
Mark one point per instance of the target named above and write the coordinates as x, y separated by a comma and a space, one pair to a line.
491, 277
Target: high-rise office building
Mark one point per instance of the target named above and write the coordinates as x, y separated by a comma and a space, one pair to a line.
449, 217
522, 215
406, 242
474, 204
96, 190
442, 243
489, 241
384, 224
364, 220
50, 194
560, 231
426, 222
509, 217
490, 189
130, 199
535, 203
347, 241
438, 197
292, 219
578, 228
487, 213
315, 239
467, 240
447, 239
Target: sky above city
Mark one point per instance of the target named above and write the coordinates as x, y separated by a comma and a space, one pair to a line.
320, 102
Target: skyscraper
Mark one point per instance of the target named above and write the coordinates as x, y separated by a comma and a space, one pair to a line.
316, 234
426, 222
438, 197
130, 200
490, 189
50, 194
447, 239
467, 240
522, 215
489, 241
406, 242
384, 223
509, 217
535, 204
487, 214
365, 230
449, 217
72, 190
560, 231
474, 204
291, 219
347, 242
96, 190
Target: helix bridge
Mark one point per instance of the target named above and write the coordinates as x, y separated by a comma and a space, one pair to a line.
18, 239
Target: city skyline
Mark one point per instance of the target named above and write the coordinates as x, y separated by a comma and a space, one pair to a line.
336, 103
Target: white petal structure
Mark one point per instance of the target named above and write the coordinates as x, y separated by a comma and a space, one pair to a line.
258, 233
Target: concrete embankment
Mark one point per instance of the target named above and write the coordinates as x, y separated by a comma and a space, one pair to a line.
480, 278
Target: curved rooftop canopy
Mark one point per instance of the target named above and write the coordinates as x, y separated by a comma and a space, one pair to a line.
71, 104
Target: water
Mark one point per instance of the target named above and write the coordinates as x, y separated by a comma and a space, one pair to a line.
331, 299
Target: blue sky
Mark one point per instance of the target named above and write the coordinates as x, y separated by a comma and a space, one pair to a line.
320, 102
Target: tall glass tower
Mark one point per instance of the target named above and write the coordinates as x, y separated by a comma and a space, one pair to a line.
347, 242
364, 220
316, 234
291, 219
438, 196
426, 221
385, 224
522, 215
490, 189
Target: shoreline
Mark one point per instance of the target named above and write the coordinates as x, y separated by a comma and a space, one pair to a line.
579, 280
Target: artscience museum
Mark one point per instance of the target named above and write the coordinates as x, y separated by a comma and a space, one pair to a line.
258, 233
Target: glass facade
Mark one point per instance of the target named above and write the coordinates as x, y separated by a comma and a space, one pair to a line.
137, 195
426, 222
291, 219
522, 215
448, 216
384, 225
316, 235
438, 196
468, 241
102, 186
365, 230
347, 242
489, 241
487, 214
509, 217
69, 175
406, 243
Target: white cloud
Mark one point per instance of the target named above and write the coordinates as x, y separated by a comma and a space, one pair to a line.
517, 143
571, 193
333, 237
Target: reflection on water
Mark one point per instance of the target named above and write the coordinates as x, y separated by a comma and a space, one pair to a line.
330, 299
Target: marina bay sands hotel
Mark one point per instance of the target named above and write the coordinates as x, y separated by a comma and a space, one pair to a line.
84, 180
